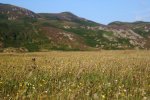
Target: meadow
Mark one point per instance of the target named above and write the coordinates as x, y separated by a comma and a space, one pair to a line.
99, 75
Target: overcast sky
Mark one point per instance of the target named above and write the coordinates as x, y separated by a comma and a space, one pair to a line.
102, 11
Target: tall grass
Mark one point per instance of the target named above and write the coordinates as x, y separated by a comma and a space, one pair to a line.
104, 75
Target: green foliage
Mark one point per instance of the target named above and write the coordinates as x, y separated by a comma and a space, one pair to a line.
21, 33
32, 47
63, 47
28, 19
3, 17
86, 22
142, 32
28, 32
46, 24
91, 35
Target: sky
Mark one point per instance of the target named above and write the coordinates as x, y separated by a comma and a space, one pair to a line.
101, 11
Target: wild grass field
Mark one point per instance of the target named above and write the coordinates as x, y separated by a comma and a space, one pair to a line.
99, 75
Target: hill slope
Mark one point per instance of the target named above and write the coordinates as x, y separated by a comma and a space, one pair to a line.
24, 28
20, 27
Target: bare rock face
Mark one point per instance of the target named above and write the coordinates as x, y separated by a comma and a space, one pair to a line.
137, 32
13, 12
15, 50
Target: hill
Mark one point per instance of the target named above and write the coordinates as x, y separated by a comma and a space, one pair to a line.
20, 27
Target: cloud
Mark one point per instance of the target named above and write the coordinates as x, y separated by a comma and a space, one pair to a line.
138, 18
142, 17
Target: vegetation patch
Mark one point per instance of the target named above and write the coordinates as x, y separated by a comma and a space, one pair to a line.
75, 75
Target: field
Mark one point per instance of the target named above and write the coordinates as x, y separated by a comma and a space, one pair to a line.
99, 75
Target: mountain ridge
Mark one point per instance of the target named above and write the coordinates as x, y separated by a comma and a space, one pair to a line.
20, 27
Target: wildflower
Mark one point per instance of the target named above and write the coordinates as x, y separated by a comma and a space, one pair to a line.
145, 98
41, 85
20, 84
116, 81
43, 80
33, 88
69, 72
119, 93
80, 83
103, 96
69, 90
46, 91
125, 90
64, 81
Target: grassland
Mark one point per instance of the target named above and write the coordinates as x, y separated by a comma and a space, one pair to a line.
103, 75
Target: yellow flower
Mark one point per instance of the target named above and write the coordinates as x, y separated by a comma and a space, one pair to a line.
103, 96
20, 84
125, 90
43, 80
69, 90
